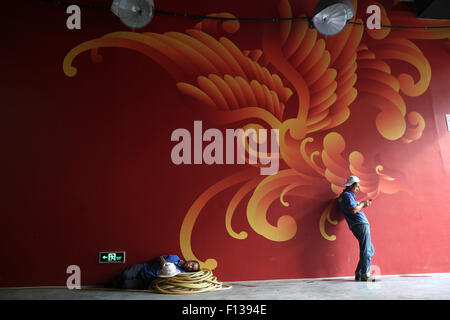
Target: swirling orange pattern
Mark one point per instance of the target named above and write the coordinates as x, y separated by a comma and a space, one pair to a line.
295, 68
381, 89
211, 26
335, 168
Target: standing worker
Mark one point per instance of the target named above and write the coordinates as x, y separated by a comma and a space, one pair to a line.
359, 225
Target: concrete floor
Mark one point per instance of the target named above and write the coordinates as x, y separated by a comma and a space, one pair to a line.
400, 287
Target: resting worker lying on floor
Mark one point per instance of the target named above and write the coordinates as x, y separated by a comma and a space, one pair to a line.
140, 276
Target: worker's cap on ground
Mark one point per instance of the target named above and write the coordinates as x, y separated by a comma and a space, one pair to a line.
351, 180
168, 270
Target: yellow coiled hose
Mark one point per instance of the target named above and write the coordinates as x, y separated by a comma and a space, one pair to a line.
189, 282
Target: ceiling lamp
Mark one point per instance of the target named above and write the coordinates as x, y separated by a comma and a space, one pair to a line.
331, 16
135, 14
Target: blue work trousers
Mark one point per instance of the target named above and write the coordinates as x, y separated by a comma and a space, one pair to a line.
366, 249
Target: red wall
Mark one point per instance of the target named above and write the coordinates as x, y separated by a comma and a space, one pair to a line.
87, 166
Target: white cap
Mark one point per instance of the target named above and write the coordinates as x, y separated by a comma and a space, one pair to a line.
351, 180
168, 270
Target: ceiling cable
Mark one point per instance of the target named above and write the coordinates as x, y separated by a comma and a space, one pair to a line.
274, 19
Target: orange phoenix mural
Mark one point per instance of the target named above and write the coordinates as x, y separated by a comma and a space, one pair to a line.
321, 78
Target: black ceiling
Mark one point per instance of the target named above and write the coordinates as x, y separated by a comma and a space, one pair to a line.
433, 9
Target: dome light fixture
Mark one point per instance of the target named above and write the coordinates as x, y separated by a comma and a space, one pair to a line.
331, 16
135, 14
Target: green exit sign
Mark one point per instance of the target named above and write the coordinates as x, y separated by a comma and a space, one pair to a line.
111, 257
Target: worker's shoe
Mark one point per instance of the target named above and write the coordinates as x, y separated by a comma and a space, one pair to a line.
357, 277
368, 278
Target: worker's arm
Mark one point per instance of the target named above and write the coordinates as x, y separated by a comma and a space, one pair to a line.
360, 206
162, 261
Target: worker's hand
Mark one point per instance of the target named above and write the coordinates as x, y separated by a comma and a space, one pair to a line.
367, 202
